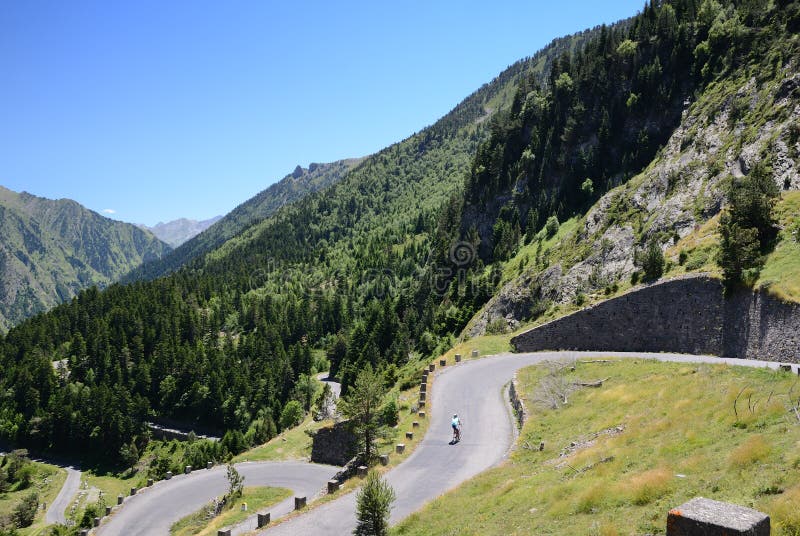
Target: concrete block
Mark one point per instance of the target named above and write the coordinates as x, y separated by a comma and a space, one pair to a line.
409, 435
187, 469
96, 522
785, 368
120, 498
299, 503
415, 424
422, 397
168, 475
209, 464
333, 486
431, 367
85, 532
423, 387
421, 403
400, 448
362, 470
149, 482
108, 510
474, 353
263, 520
133, 491
458, 358
226, 532
384, 458
713, 518
421, 414
443, 362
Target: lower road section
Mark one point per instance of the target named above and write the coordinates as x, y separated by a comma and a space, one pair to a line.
57, 511
155, 509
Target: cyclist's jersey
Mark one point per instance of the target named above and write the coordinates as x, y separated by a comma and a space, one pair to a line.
455, 422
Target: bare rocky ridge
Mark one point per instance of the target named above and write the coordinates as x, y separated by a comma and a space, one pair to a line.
680, 190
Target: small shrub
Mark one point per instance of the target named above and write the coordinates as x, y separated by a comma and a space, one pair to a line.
498, 326
389, 413
698, 260
551, 227
753, 449
25, 512
93, 510
682, 256
292, 414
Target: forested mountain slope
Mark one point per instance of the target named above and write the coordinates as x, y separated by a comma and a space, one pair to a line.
51, 250
226, 341
295, 186
735, 110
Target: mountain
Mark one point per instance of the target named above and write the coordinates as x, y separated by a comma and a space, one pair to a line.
51, 250
222, 341
547, 185
714, 123
176, 232
295, 186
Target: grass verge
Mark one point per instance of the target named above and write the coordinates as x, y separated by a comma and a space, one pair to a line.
201, 523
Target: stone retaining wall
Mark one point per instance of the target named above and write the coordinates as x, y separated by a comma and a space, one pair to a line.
334, 445
687, 315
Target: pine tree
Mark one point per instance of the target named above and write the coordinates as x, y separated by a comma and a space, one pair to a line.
362, 406
373, 504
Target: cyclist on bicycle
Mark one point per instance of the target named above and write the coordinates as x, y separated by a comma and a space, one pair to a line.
456, 424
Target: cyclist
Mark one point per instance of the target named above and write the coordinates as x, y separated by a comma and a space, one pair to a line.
456, 424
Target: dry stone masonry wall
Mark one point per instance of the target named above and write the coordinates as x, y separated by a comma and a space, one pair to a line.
688, 315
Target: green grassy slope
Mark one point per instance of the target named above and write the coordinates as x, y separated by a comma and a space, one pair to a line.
51, 250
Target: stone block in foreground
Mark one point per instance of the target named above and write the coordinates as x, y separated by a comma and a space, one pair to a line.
705, 517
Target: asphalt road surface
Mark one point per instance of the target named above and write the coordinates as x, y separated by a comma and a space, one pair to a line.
474, 390
57, 511
155, 509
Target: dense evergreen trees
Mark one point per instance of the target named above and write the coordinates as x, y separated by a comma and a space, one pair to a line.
390, 261
604, 111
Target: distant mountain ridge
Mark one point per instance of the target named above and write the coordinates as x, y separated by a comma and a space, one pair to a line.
293, 187
176, 232
52, 249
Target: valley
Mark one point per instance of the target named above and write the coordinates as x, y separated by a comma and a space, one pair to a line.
612, 221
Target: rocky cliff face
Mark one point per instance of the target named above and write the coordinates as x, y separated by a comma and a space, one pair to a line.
730, 127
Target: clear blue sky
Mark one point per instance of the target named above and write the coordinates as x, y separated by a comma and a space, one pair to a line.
158, 110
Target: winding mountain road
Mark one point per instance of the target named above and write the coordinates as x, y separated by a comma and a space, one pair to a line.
473, 389
156, 508
58, 508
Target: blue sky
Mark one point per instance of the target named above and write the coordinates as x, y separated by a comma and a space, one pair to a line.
159, 110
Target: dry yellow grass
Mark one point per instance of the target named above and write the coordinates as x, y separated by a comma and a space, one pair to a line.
785, 510
753, 449
645, 487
